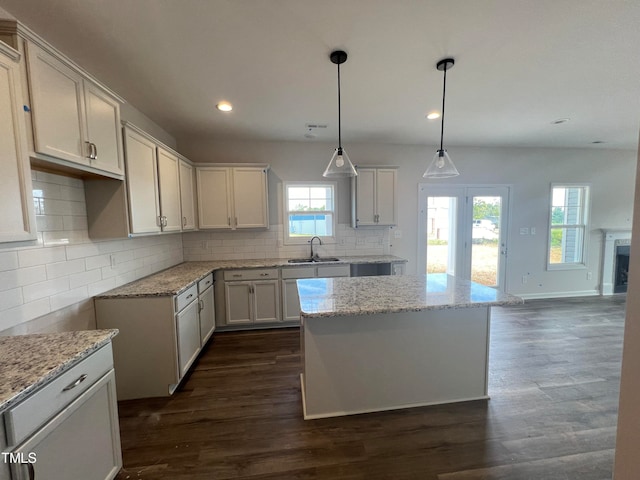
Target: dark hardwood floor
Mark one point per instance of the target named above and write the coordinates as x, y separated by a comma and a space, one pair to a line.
554, 381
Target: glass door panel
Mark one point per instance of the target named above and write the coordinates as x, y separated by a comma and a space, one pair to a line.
485, 239
441, 228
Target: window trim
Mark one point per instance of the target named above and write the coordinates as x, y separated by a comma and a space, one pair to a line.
586, 217
328, 239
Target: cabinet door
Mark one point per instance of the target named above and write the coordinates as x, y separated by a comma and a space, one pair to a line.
142, 183
188, 330
266, 297
386, 194
187, 199
83, 441
103, 129
214, 197
238, 302
169, 184
18, 217
57, 107
250, 198
207, 315
290, 300
365, 197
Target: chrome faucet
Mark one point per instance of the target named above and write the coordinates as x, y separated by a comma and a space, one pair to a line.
314, 255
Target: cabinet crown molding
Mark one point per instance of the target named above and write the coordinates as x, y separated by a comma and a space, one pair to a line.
10, 52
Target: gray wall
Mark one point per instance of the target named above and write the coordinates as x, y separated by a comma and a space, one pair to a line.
528, 171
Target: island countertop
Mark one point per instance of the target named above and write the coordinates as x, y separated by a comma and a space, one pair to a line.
30, 361
344, 296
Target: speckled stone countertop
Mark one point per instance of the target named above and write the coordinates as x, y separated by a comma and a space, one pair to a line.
332, 297
174, 280
29, 361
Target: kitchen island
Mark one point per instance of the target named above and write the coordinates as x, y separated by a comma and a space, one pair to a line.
382, 343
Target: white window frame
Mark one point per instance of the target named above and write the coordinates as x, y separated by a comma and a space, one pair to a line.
584, 225
288, 240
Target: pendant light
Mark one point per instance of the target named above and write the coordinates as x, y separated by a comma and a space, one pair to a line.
441, 166
340, 165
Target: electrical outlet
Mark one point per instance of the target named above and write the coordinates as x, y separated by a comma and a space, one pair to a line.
203, 244
533, 230
524, 279
589, 275
342, 241
524, 230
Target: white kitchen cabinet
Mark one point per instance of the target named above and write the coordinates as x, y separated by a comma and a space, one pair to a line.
251, 296
70, 425
290, 275
169, 186
374, 197
18, 222
160, 337
153, 184
231, 197
74, 119
187, 197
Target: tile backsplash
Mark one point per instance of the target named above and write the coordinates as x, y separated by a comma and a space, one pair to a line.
48, 284
240, 245
64, 268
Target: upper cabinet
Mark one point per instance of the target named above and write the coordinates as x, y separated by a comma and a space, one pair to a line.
231, 197
374, 197
75, 121
18, 217
153, 184
187, 197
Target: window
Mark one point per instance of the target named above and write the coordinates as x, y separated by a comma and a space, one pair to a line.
568, 225
309, 211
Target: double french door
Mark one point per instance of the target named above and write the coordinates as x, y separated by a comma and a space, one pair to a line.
463, 232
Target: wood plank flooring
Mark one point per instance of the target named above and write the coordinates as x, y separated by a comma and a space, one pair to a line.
554, 382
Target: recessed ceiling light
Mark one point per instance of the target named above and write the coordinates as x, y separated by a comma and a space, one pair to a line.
560, 120
433, 115
224, 106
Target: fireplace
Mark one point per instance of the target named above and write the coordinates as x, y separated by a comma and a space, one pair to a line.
621, 271
615, 261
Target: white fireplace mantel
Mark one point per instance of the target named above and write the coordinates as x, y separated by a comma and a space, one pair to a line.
612, 238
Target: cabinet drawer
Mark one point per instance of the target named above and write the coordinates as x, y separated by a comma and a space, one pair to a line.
299, 272
327, 271
205, 283
262, 274
186, 297
27, 416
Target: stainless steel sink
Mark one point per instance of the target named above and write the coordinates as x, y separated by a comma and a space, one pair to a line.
313, 260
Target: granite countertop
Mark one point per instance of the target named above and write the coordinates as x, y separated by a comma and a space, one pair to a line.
28, 362
332, 297
175, 280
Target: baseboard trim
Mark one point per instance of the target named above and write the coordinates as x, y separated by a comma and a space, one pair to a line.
540, 296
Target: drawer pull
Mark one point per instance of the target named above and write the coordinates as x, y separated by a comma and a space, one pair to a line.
237, 275
264, 274
189, 296
73, 385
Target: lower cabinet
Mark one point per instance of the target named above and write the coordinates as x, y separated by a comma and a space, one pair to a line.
82, 439
290, 300
251, 296
159, 339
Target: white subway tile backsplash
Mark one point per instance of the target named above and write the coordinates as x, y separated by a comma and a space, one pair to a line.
40, 256
69, 297
49, 223
24, 312
10, 298
68, 267
22, 276
8, 261
45, 289
84, 278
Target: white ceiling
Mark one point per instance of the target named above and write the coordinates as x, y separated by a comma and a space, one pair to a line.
520, 64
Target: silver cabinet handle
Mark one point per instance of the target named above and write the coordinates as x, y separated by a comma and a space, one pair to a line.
73, 385
159, 220
200, 305
90, 152
95, 151
229, 221
184, 221
236, 221
189, 296
264, 274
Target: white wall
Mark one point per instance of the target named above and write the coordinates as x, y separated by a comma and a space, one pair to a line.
528, 171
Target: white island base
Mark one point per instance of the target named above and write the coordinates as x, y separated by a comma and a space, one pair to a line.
386, 361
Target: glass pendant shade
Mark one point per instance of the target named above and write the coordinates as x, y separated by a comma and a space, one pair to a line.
441, 166
340, 165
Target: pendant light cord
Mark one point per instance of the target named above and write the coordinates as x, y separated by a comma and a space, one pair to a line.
339, 119
444, 91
